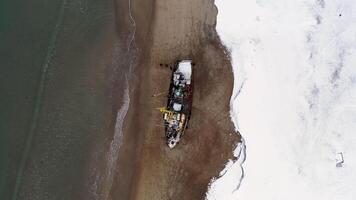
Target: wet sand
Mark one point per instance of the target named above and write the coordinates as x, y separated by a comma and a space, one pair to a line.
165, 32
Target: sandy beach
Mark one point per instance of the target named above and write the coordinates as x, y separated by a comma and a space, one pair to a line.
166, 31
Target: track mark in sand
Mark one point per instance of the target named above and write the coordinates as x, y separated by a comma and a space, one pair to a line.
39, 96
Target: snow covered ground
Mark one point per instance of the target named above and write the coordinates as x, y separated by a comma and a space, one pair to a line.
294, 100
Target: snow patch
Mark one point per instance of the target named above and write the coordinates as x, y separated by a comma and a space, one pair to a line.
294, 99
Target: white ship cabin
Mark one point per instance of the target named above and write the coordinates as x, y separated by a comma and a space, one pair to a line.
185, 68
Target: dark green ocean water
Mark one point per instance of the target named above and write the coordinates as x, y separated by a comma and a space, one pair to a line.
55, 95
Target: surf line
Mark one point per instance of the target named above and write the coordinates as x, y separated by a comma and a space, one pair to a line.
39, 97
116, 143
133, 23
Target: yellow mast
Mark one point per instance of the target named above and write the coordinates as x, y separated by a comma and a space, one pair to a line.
164, 110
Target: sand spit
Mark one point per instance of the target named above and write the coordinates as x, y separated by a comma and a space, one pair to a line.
147, 169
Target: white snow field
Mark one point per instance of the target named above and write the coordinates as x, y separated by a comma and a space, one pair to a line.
294, 99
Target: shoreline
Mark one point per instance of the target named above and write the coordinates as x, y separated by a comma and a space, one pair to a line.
146, 169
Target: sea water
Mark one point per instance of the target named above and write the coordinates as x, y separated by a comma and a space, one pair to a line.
56, 99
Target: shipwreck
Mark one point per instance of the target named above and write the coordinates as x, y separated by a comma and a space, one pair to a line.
177, 113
